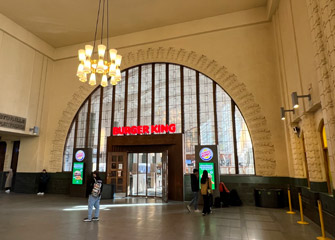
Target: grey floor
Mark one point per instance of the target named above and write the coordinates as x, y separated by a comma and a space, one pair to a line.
26, 216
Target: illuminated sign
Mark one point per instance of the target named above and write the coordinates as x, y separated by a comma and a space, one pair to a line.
168, 128
80, 155
78, 173
206, 154
209, 167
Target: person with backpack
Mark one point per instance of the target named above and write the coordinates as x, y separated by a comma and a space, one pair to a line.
206, 190
95, 189
195, 190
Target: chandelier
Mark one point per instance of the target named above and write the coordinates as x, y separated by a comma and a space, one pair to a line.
100, 68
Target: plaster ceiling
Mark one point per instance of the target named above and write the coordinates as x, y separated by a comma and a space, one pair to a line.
67, 22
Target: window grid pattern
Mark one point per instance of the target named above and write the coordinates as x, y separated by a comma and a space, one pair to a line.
225, 132
106, 122
146, 94
190, 116
174, 96
223, 102
160, 94
244, 145
81, 130
132, 103
68, 151
119, 102
207, 125
94, 126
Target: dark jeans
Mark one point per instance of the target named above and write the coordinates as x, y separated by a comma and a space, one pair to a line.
206, 209
42, 186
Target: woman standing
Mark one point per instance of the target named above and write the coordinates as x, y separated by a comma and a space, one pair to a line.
206, 186
8, 184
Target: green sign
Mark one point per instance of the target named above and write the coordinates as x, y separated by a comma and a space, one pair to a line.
78, 173
209, 167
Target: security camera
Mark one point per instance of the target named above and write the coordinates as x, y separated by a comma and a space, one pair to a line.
296, 130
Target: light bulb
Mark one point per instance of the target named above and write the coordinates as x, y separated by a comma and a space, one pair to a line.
88, 50
101, 66
81, 55
94, 64
101, 50
118, 72
93, 80
118, 78
104, 81
87, 66
118, 60
112, 69
83, 78
113, 81
112, 54
80, 71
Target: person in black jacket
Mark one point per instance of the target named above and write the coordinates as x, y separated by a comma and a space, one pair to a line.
43, 182
195, 190
95, 189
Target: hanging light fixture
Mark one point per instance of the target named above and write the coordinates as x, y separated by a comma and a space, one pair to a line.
100, 68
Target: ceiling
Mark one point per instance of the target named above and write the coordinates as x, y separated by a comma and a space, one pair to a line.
67, 22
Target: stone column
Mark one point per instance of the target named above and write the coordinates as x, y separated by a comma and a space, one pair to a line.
322, 21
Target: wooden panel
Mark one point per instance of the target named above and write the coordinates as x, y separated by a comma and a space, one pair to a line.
173, 143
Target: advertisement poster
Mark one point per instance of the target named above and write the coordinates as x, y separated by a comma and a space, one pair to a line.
210, 169
78, 173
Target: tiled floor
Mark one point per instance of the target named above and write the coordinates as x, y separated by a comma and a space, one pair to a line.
60, 217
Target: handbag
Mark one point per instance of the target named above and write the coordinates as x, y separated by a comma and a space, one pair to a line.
209, 189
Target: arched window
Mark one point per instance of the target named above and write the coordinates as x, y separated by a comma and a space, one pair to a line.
164, 93
326, 158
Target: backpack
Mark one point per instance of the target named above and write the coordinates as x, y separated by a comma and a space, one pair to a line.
96, 188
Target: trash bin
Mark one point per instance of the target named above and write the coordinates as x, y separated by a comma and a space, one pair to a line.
269, 198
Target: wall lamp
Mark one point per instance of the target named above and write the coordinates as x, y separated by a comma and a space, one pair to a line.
295, 97
283, 111
35, 130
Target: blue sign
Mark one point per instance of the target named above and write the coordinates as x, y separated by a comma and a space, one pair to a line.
206, 154
80, 155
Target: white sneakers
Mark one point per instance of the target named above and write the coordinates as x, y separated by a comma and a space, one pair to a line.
7, 191
40, 193
197, 210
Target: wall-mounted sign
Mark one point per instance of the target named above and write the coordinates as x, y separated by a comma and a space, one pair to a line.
134, 130
14, 122
78, 173
209, 167
206, 154
80, 155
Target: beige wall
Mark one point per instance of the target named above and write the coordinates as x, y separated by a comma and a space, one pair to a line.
302, 69
242, 42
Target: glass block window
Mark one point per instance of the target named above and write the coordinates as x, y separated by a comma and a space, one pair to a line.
68, 151
94, 126
174, 97
207, 125
160, 94
244, 145
225, 132
165, 86
81, 130
190, 116
132, 103
146, 94
119, 102
106, 121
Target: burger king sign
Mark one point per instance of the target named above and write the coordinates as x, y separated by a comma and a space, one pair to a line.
80, 155
206, 154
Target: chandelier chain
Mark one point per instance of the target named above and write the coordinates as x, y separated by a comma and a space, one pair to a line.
96, 25
102, 22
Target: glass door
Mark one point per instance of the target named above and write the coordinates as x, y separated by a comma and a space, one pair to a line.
146, 174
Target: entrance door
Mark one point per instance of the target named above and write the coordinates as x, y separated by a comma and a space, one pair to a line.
116, 171
147, 175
